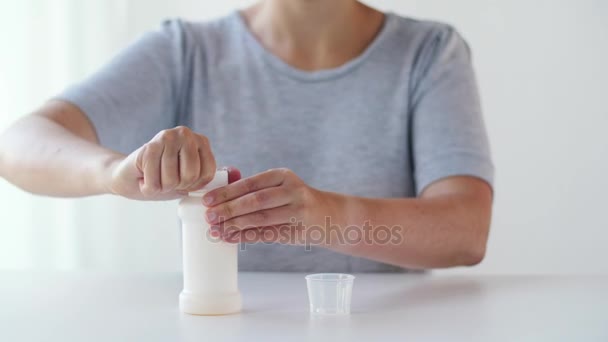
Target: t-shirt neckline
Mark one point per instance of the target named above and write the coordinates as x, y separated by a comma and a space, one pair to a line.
319, 75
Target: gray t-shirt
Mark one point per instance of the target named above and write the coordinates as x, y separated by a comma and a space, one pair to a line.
400, 116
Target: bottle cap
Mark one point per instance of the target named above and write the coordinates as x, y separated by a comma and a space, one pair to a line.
220, 179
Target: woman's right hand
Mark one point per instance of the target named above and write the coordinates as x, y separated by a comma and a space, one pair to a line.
173, 163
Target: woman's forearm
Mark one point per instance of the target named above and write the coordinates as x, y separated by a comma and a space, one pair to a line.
41, 156
441, 231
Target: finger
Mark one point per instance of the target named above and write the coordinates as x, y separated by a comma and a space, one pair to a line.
234, 175
207, 164
244, 186
169, 167
189, 166
207, 160
249, 203
150, 164
262, 218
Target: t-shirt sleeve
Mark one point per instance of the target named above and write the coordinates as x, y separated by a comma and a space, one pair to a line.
135, 95
448, 132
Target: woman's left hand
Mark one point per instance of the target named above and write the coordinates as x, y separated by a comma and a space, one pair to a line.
272, 206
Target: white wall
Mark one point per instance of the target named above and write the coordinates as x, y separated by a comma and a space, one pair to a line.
542, 70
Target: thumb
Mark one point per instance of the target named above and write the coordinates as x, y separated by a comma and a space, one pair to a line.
139, 160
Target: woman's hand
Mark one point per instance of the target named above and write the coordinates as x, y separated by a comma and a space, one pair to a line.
273, 206
173, 163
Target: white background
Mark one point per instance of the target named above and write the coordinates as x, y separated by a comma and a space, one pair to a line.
543, 72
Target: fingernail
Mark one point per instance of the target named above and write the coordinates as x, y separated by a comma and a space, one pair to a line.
208, 199
211, 216
214, 233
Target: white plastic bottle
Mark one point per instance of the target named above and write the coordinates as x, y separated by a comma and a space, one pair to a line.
210, 265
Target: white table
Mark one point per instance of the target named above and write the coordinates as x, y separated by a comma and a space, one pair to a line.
143, 307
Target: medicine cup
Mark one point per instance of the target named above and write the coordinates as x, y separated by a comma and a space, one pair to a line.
329, 293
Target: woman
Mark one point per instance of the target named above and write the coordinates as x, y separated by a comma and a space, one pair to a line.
368, 125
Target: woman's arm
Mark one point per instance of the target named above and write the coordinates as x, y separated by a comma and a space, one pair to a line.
55, 152
446, 226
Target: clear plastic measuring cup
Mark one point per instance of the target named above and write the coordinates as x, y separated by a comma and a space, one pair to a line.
330, 293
